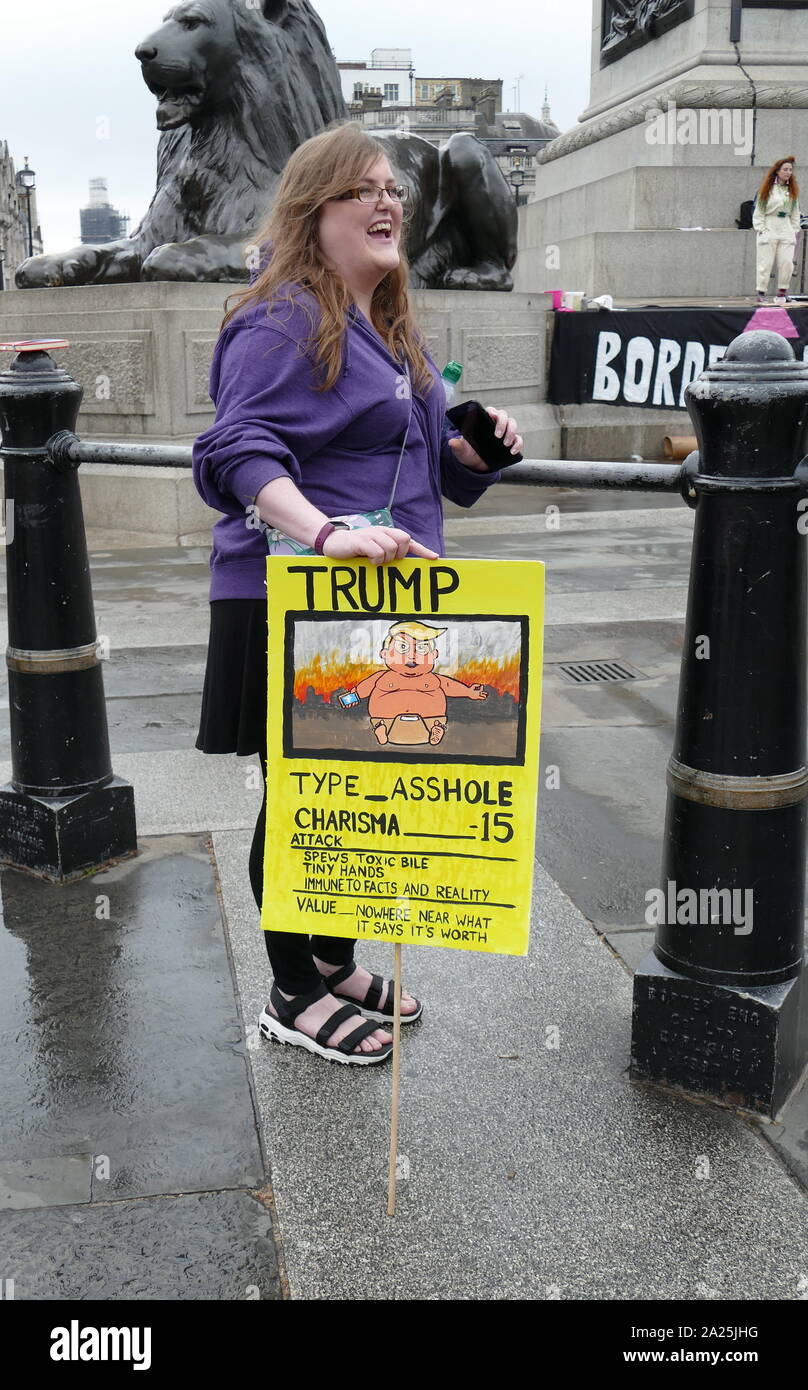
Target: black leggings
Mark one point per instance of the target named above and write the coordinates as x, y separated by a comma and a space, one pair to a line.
290, 953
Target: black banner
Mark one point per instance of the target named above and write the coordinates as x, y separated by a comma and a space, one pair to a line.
646, 357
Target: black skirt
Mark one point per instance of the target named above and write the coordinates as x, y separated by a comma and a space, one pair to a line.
233, 718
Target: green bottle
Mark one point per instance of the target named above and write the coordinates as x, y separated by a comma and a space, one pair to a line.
450, 376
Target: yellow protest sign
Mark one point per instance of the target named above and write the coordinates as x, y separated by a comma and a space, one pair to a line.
402, 749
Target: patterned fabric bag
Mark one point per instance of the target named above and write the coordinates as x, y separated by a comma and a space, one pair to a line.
279, 544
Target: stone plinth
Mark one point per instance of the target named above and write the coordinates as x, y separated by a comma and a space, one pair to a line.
728, 111
142, 354
769, 37
658, 266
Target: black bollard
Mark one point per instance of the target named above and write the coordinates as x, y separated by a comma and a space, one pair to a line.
64, 811
719, 1003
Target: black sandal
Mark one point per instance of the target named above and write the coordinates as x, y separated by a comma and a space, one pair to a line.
370, 1004
282, 1029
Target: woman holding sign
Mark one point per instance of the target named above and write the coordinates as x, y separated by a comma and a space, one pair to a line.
327, 404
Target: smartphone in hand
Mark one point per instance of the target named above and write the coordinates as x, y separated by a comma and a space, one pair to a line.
476, 425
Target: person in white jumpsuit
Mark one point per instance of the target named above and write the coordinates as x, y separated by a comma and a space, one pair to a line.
776, 220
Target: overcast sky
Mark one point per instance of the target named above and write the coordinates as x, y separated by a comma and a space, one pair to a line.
73, 100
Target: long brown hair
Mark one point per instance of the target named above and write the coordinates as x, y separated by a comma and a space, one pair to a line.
319, 169
768, 182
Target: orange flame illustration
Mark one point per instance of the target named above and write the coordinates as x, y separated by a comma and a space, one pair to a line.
502, 676
324, 676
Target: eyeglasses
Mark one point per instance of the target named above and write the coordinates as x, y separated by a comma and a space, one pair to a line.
398, 194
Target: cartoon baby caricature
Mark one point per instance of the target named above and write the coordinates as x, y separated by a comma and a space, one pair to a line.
406, 698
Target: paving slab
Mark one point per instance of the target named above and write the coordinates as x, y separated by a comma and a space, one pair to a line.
622, 521
120, 1035
534, 1168
46, 1182
666, 604
103, 538
789, 1133
206, 1246
511, 499
153, 698
585, 561
604, 573
599, 831
149, 597
168, 671
185, 791
630, 944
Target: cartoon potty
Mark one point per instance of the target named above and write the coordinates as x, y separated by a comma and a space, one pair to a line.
406, 699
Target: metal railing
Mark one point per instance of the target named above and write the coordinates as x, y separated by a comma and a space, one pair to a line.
66, 447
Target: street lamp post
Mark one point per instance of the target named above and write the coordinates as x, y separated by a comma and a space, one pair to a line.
517, 178
26, 180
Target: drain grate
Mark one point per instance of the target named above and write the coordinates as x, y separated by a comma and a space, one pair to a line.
592, 672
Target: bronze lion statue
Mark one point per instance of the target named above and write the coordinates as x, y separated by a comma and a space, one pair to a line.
239, 85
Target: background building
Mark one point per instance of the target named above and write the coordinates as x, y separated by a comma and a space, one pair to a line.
390, 78
515, 138
100, 221
14, 219
389, 75
465, 91
387, 93
434, 123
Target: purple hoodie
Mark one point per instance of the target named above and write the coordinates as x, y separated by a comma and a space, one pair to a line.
339, 446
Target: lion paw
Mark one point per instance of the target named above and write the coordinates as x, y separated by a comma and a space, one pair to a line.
45, 272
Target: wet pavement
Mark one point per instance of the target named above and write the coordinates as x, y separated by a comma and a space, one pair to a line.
143, 1114
124, 1076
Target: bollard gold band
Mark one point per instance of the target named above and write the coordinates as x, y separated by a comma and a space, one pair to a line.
50, 662
737, 793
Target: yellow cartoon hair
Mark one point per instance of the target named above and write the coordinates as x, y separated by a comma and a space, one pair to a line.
412, 628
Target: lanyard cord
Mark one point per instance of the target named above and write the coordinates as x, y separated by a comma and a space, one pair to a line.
406, 437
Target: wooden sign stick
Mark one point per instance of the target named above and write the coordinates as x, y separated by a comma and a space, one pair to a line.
391, 1176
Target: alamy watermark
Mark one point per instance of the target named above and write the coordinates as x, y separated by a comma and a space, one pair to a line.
7, 524
708, 125
703, 907
77, 1343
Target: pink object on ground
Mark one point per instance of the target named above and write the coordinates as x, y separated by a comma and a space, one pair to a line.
775, 319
